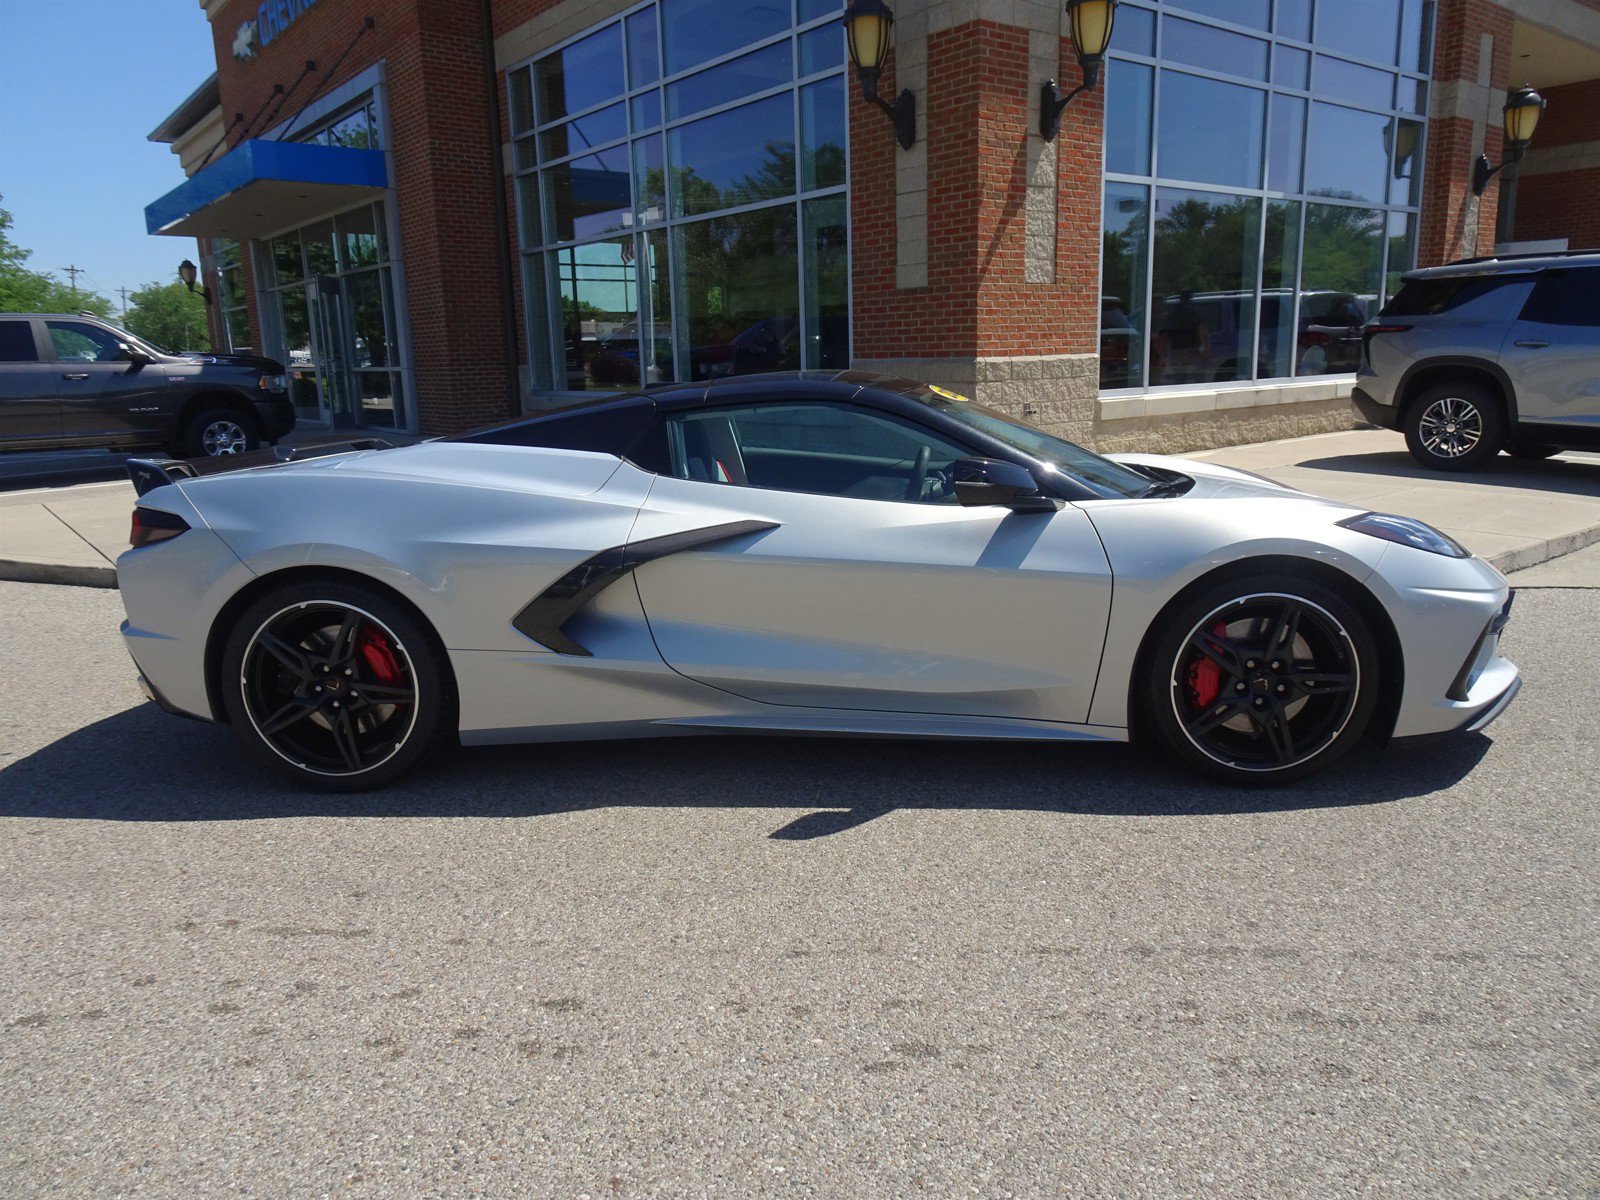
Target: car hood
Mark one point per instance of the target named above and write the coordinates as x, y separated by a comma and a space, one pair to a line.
1213, 481
267, 366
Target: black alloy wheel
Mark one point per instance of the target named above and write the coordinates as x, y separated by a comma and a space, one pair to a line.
1263, 684
1454, 426
336, 685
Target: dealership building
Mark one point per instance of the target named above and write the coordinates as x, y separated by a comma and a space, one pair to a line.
440, 213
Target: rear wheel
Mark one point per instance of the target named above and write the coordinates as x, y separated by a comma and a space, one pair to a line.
219, 431
1456, 425
1261, 680
336, 685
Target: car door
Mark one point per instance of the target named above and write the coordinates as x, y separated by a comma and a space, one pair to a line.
1553, 351
29, 410
872, 589
105, 398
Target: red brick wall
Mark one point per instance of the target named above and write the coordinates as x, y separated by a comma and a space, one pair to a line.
1564, 204
444, 178
975, 119
1449, 210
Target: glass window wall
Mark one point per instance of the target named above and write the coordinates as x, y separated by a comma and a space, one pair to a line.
1262, 174
682, 210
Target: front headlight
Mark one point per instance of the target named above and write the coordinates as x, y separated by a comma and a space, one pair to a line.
1406, 531
273, 383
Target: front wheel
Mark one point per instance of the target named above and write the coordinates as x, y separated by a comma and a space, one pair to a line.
336, 685
1262, 680
1454, 426
219, 431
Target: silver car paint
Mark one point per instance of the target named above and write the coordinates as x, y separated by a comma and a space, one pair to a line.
1476, 330
881, 605
469, 533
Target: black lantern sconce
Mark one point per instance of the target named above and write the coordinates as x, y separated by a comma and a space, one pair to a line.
1523, 109
1090, 22
867, 25
188, 273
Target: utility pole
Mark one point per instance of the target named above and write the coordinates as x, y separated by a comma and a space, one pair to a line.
123, 292
74, 272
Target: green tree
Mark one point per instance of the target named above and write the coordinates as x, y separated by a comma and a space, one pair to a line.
25, 290
170, 316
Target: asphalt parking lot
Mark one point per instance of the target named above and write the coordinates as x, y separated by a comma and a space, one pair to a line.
791, 968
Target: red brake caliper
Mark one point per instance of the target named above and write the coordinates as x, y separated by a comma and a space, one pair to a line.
1205, 677
378, 654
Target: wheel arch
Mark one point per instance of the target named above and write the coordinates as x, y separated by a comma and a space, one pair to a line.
214, 397
228, 614
1422, 375
1391, 682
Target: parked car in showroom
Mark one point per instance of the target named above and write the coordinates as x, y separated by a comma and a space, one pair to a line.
78, 382
1485, 355
807, 553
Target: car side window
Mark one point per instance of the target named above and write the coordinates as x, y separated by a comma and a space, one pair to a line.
16, 342
814, 447
1565, 298
76, 341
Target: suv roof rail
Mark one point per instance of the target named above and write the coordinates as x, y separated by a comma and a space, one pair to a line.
1482, 258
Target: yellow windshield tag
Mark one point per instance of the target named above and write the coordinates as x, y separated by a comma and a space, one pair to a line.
939, 391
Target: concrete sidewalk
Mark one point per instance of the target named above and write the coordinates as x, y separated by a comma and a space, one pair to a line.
1514, 513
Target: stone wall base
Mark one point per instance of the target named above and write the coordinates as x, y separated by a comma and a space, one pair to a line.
1060, 394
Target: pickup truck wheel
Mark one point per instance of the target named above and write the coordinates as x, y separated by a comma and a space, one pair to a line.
1455, 425
219, 431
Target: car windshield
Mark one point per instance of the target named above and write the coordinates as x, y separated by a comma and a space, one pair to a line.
1101, 474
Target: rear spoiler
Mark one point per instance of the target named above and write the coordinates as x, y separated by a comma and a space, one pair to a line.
150, 473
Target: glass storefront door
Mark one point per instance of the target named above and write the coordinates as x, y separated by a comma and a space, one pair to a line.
332, 294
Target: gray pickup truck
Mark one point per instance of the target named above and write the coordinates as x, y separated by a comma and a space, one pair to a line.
77, 382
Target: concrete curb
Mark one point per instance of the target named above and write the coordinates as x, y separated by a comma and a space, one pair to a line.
15, 571
1531, 556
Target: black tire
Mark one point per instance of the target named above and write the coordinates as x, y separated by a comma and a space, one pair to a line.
1214, 694
219, 431
1533, 452
1456, 425
337, 685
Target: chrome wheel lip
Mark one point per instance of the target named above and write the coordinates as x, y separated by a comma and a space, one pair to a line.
1332, 736
244, 693
224, 437
1450, 427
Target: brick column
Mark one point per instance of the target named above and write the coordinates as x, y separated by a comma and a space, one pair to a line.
976, 254
1471, 68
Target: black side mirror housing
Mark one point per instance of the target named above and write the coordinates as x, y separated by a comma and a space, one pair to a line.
984, 481
137, 357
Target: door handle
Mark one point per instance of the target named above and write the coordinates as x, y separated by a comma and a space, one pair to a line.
75, 375
1531, 345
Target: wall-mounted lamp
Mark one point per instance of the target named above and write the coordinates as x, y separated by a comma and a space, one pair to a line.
1522, 111
188, 273
1090, 22
867, 25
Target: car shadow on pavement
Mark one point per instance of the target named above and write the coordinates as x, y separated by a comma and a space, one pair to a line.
1546, 475
142, 765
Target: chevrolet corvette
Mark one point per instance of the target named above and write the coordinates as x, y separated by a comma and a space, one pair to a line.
834, 553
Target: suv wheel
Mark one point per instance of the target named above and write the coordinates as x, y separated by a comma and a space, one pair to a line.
1455, 426
219, 431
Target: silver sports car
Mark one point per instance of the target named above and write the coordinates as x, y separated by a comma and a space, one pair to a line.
825, 553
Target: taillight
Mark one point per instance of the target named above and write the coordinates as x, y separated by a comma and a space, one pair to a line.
151, 525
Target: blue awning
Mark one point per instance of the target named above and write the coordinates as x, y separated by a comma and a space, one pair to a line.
263, 187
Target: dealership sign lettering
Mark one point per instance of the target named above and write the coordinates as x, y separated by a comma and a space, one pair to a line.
272, 18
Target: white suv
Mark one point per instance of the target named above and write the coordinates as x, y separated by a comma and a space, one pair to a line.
1487, 355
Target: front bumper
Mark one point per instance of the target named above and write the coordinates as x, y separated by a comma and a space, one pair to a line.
1385, 415
276, 418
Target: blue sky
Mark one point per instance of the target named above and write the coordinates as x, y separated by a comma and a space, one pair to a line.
82, 83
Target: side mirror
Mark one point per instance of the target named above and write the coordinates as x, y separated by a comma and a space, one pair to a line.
984, 481
128, 354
